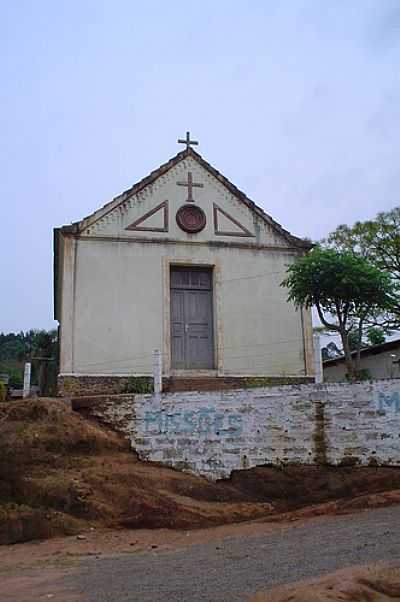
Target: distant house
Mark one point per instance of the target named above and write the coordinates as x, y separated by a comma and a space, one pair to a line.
381, 361
34, 391
4, 378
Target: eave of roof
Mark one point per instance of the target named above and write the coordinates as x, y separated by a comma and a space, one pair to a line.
56, 271
372, 350
77, 227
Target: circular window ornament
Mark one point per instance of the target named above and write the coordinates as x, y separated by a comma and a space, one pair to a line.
191, 218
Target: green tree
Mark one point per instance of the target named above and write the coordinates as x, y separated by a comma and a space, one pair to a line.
345, 289
45, 360
377, 240
353, 339
38, 346
375, 336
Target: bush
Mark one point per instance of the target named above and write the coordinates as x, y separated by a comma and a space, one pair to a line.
363, 374
3, 391
16, 378
138, 384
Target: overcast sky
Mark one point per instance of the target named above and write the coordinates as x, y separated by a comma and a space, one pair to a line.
296, 101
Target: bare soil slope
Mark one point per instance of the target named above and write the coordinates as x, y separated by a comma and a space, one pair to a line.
367, 584
61, 474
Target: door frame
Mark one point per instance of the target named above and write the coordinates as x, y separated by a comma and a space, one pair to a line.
169, 262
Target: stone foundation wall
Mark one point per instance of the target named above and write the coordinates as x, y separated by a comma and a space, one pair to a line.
76, 386
219, 383
117, 411
214, 433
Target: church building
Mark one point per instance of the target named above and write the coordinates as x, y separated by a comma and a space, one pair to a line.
185, 263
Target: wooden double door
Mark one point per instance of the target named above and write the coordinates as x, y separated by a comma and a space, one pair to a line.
192, 344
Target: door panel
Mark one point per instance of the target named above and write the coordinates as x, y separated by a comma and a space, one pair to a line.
198, 312
192, 345
178, 328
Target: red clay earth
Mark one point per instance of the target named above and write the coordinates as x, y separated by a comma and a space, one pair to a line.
61, 474
356, 584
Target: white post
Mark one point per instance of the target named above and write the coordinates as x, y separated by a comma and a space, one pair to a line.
27, 380
157, 372
319, 372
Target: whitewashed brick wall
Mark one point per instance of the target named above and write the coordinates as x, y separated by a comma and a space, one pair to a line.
214, 433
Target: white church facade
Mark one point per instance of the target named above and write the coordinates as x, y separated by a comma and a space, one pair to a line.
183, 262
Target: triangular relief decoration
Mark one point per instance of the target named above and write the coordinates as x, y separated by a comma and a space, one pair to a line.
155, 220
226, 225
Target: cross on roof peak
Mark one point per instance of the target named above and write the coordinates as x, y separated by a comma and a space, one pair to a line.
187, 141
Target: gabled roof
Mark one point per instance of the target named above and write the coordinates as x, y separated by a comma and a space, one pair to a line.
78, 227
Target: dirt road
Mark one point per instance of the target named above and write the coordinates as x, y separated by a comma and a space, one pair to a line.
228, 565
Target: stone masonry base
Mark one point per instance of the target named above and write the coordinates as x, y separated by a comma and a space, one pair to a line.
75, 386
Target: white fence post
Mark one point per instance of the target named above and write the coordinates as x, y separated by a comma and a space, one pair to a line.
27, 380
157, 372
319, 372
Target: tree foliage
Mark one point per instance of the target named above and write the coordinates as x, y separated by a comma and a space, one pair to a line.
378, 241
23, 345
38, 346
354, 340
345, 288
376, 336
373, 336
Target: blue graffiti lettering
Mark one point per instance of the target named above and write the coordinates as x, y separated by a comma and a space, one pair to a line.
389, 401
235, 424
172, 423
189, 422
218, 424
204, 422
151, 418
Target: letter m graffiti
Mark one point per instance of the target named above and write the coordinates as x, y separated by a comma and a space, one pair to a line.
389, 400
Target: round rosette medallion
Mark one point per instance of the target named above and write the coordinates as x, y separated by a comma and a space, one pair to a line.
191, 218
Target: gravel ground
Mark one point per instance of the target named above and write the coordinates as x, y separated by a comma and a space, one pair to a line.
233, 569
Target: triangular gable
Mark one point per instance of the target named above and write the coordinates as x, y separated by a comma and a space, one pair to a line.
155, 220
238, 230
226, 225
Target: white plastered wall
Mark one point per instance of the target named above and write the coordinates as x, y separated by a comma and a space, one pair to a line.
120, 304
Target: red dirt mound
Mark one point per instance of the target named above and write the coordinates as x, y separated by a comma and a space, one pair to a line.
366, 584
61, 474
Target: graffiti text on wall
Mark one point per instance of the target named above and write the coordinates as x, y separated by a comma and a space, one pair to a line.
389, 401
205, 421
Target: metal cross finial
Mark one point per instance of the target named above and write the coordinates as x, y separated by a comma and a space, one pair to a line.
190, 185
187, 141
